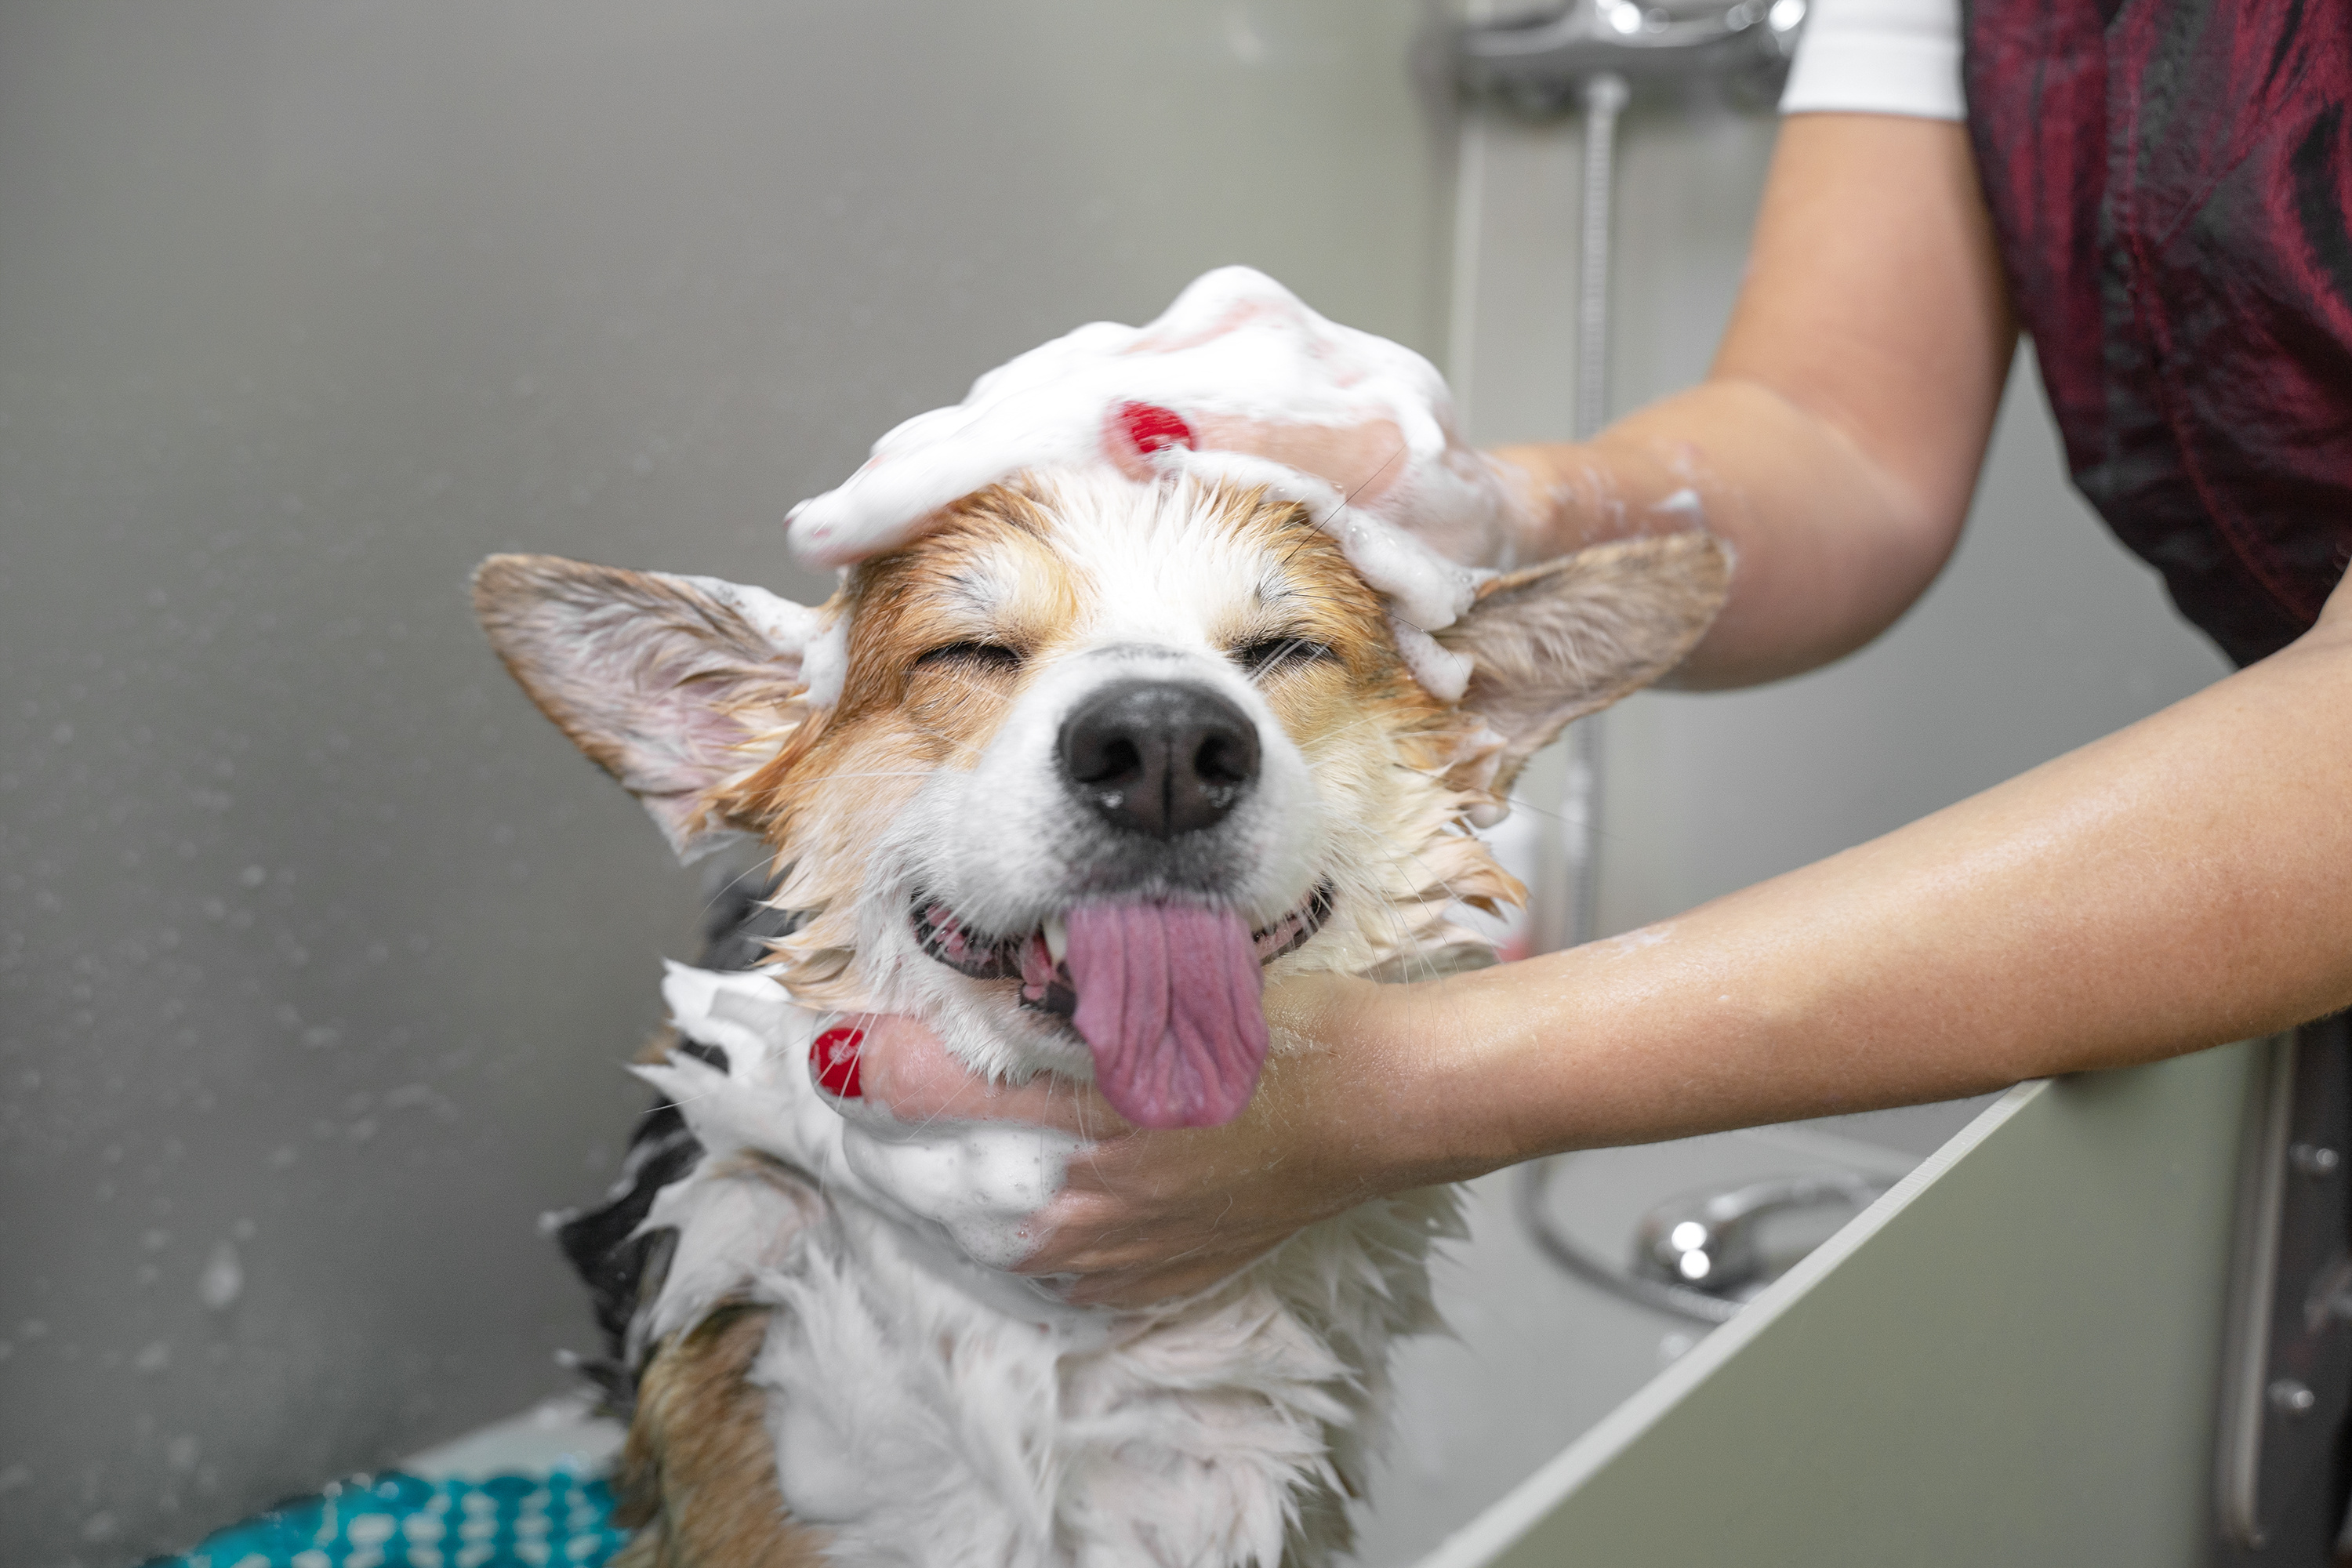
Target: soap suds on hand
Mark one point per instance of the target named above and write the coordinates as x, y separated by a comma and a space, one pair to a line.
1238, 380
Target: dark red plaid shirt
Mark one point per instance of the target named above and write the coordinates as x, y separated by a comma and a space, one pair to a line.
2170, 181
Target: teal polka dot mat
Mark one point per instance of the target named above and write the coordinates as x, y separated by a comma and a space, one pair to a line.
395, 1520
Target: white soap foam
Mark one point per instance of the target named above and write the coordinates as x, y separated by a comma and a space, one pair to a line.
963, 1191
824, 663
1422, 525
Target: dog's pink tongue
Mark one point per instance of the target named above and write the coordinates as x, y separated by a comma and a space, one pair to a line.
1169, 1001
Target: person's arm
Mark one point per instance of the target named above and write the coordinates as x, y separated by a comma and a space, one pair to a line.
1837, 437
2174, 885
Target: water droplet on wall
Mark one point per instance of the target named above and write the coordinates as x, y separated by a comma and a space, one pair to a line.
223, 1279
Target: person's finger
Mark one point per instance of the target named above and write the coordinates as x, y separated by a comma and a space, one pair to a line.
1363, 460
907, 1070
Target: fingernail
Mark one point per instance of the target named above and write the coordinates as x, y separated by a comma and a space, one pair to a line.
1148, 427
833, 1056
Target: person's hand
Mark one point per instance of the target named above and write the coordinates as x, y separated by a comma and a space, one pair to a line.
1143, 1216
1237, 383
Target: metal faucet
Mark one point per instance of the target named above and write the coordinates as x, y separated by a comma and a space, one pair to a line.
1544, 60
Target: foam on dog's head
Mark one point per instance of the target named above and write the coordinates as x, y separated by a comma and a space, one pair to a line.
1236, 382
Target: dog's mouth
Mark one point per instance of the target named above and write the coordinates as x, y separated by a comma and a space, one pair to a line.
1165, 995
1045, 974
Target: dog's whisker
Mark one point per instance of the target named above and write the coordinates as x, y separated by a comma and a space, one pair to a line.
977, 689
729, 885
955, 743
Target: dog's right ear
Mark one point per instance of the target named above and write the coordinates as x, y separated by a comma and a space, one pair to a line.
674, 685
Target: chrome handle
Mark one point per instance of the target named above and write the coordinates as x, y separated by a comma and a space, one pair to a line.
1709, 1241
1548, 55
1728, 1221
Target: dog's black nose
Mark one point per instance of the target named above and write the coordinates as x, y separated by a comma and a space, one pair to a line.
1162, 757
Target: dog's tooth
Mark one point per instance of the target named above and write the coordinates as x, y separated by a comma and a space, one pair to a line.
1058, 938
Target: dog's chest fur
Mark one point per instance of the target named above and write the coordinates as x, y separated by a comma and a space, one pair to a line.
907, 1407
916, 1423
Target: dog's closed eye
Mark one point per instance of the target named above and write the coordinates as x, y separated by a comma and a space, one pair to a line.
973, 658
1276, 656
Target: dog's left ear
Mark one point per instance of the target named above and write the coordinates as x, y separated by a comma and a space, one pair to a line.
1558, 641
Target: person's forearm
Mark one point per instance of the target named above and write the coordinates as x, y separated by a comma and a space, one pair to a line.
1829, 550
1837, 438
2177, 885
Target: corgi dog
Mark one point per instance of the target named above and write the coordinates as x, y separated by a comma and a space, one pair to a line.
1066, 776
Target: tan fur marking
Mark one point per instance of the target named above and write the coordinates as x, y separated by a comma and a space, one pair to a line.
1324, 602
698, 1477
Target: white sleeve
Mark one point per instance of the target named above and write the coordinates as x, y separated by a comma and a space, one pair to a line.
1878, 56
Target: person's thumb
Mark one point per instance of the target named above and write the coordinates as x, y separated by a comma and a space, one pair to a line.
907, 1070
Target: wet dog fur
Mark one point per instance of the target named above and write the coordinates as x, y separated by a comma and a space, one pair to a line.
1230, 1428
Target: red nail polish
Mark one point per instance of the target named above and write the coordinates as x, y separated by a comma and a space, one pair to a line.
834, 1053
1150, 426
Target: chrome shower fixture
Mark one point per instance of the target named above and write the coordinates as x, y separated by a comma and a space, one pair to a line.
1544, 62
1700, 1255
1714, 1242
1594, 55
